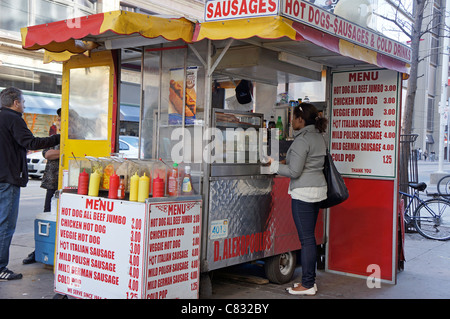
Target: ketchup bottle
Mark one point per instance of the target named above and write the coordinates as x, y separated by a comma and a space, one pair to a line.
83, 183
113, 186
158, 187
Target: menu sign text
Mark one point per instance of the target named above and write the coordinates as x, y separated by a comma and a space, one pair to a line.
173, 250
365, 122
119, 249
100, 247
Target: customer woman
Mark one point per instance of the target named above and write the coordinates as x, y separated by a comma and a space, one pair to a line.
304, 167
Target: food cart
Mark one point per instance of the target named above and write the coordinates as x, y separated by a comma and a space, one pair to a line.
237, 212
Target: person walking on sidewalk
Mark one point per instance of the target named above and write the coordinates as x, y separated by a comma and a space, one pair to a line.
15, 140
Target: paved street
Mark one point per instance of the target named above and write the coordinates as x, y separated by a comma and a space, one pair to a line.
426, 274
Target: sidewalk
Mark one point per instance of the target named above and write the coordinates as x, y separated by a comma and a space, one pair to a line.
427, 168
426, 274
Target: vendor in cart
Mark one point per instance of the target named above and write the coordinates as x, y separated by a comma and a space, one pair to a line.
304, 166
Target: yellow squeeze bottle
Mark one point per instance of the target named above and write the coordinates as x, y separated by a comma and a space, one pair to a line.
134, 186
94, 184
144, 186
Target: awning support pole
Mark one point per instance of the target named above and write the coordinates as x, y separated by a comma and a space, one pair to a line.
219, 58
199, 57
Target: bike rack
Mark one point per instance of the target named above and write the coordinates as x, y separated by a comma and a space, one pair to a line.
408, 169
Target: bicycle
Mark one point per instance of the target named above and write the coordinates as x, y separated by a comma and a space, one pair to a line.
443, 186
431, 218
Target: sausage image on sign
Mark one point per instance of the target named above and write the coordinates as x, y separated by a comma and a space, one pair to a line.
176, 99
176, 104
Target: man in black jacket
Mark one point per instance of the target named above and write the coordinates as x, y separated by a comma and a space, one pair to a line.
15, 140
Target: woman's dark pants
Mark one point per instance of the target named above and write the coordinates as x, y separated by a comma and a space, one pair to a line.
305, 218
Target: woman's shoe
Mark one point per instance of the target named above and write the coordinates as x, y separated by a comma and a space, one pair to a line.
307, 292
296, 284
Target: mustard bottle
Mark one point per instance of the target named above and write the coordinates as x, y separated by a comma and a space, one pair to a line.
134, 187
94, 184
144, 187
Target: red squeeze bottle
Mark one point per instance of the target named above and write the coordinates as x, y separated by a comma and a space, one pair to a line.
83, 183
158, 187
113, 186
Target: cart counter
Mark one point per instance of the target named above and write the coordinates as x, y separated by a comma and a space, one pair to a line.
249, 219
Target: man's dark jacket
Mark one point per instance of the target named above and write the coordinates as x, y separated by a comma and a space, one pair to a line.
15, 140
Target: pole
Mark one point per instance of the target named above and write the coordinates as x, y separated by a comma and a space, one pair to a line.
443, 104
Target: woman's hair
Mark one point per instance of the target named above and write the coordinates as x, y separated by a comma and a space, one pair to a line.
310, 114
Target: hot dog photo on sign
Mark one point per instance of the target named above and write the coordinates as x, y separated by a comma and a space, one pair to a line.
176, 105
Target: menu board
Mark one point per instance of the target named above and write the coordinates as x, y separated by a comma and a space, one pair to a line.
365, 122
100, 247
119, 249
173, 250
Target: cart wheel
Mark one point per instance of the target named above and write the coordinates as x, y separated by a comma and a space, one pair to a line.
280, 268
59, 296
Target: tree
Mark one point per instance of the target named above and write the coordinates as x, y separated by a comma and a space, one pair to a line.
410, 23
416, 34
412, 28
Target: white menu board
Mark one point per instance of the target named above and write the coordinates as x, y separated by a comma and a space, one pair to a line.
99, 247
173, 252
119, 249
365, 122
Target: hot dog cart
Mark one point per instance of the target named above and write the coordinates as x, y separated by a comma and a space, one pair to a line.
238, 211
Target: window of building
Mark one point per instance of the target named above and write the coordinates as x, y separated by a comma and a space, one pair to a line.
13, 14
430, 114
16, 14
434, 53
30, 80
49, 11
131, 8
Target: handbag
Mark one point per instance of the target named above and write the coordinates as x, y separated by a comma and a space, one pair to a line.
337, 191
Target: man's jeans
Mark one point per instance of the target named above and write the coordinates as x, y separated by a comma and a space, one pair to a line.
9, 210
305, 218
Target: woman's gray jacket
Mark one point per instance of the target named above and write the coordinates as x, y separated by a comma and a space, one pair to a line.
305, 159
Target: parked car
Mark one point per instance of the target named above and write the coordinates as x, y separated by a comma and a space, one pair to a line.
36, 164
129, 146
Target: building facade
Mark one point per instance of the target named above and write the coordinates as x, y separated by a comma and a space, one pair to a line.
427, 117
41, 82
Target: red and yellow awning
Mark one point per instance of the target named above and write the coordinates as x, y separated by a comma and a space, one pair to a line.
278, 27
64, 38
71, 35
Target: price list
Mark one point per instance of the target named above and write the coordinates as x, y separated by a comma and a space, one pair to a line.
173, 250
99, 248
365, 122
